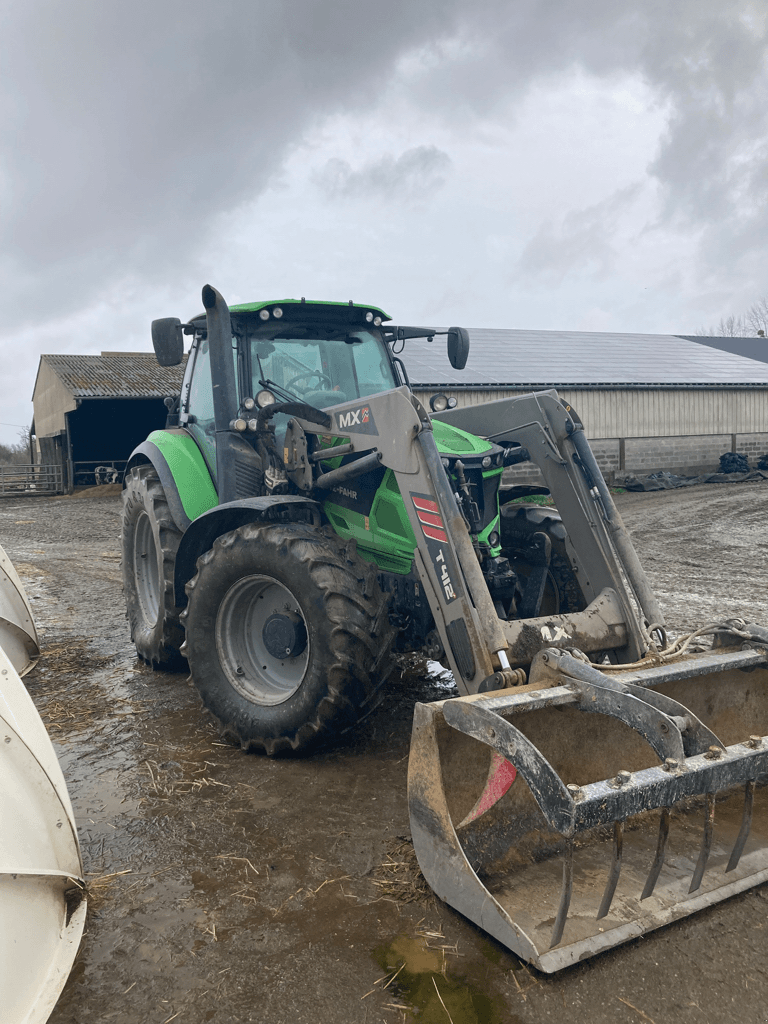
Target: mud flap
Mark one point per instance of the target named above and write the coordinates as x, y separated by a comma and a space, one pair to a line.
569, 818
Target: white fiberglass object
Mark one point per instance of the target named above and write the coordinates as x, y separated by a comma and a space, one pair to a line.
18, 636
42, 905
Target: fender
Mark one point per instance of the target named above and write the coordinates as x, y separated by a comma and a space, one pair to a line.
201, 534
185, 477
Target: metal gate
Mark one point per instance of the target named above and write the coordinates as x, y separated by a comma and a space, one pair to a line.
31, 480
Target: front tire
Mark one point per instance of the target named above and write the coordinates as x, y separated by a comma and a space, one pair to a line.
288, 636
517, 525
150, 540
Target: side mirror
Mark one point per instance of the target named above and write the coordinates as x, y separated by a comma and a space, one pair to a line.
458, 347
168, 340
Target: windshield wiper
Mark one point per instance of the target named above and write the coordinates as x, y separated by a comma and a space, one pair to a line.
281, 392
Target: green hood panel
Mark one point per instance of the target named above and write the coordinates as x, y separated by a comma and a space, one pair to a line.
452, 441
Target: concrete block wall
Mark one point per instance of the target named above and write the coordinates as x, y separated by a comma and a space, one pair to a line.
608, 455
752, 445
685, 456
690, 455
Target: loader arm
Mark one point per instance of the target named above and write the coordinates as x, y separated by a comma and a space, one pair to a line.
482, 648
396, 425
599, 546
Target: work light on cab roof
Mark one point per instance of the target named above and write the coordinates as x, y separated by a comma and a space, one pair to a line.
294, 310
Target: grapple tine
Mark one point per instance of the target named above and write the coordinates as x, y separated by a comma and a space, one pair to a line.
658, 860
565, 895
746, 825
613, 874
706, 843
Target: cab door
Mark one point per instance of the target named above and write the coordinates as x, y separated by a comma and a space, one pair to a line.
198, 405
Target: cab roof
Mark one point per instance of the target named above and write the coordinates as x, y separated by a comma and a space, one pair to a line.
294, 310
306, 305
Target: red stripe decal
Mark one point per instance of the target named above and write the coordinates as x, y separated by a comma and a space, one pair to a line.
424, 505
434, 534
427, 519
501, 775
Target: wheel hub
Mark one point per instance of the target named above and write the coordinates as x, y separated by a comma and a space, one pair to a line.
284, 636
262, 640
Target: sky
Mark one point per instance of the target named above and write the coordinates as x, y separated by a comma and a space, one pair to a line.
543, 164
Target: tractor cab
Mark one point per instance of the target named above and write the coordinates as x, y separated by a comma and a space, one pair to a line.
319, 353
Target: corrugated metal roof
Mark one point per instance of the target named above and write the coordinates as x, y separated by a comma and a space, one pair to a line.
561, 358
117, 375
750, 348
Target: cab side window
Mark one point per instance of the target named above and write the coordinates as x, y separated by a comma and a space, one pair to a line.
200, 401
202, 423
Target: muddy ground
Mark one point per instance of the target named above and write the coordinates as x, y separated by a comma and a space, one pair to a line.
230, 888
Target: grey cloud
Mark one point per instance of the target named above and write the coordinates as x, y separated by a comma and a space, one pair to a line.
581, 243
705, 61
413, 176
129, 128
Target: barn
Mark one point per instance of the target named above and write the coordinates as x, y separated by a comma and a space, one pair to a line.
649, 402
91, 411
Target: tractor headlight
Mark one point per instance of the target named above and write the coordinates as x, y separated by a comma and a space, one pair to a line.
252, 425
249, 404
277, 312
493, 539
264, 314
369, 317
438, 403
487, 462
239, 425
452, 402
265, 398
377, 321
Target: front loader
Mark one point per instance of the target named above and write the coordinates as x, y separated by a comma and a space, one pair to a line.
303, 516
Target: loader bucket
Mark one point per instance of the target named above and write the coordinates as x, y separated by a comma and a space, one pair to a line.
569, 817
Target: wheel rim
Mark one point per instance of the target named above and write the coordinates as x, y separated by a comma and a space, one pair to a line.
243, 640
145, 569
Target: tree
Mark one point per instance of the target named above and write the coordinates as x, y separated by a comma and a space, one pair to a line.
16, 454
757, 317
753, 323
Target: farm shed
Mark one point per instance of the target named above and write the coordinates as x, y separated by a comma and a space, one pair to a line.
92, 411
649, 402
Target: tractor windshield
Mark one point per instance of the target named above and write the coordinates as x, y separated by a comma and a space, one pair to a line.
320, 367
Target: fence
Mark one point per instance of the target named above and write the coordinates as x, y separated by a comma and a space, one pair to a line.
31, 480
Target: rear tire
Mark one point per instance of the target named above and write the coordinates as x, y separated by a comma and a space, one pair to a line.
288, 636
518, 524
150, 540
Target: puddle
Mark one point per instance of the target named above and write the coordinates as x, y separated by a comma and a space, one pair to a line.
428, 982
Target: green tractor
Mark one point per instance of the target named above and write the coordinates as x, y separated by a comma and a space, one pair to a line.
303, 517
282, 570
